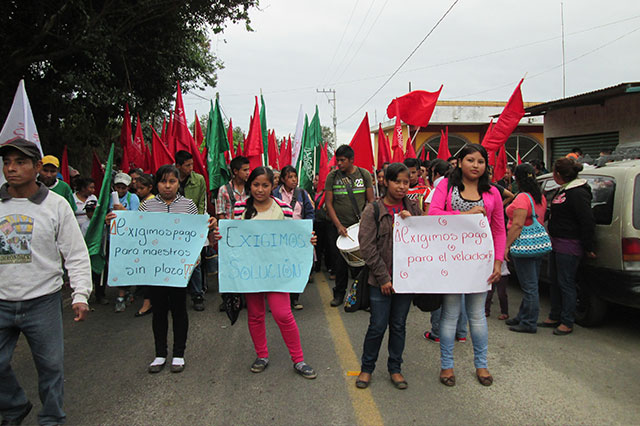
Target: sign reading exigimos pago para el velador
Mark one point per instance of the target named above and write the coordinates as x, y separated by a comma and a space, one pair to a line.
154, 248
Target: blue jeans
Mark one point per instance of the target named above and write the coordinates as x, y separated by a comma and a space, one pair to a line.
386, 310
451, 306
40, 320
528, 271
195, 282
564, 268
461, 327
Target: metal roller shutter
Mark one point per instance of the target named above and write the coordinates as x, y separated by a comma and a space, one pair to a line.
590, 144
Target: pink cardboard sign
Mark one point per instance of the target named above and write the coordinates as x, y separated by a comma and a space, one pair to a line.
442, 254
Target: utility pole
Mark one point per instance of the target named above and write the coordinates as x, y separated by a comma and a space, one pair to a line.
564, 72
332, 101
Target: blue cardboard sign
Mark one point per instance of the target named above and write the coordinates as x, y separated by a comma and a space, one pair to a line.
158, 249
264, 255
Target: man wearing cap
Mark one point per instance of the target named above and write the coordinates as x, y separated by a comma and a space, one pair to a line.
49, 176
38, 230
127, 200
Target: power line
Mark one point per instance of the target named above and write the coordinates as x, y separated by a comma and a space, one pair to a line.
346, 52
450, 62
364, 39
344, 32
554, 67
403, 62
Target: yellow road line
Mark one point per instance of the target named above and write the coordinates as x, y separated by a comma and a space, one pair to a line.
364, 406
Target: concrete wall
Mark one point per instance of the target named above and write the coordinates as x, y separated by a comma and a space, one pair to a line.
620, 114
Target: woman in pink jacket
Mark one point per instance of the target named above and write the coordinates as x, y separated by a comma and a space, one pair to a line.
469, 191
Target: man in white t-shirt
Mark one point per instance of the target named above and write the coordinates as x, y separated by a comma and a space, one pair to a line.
37, 231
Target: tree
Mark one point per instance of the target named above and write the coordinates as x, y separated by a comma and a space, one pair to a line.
328, 136
82, 60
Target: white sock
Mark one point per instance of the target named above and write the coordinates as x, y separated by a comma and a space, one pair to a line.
158, 361
177, 361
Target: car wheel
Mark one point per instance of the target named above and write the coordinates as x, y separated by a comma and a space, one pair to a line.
590, 309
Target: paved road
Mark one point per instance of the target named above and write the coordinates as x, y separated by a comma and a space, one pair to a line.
589, 377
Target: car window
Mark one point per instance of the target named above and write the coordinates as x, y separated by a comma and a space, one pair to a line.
636, 202
603, 189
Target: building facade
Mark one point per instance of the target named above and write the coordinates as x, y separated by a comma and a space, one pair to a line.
467, 122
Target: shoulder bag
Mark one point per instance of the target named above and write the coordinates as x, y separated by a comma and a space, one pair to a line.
533, 240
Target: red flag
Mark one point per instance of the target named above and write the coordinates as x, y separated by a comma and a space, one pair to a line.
501, 165
181, 133
323, 171
272, 146
396, 146
443, 148
148, 160
198, 131
64, 166
414, 108
125, 141
161, 154
384, 150
253, 145
285, 152
409, 151
199, 137
169, 140
507, 122
361, 144
229, 154
97, 174
519, 159
163, 132
429, 155
137, 153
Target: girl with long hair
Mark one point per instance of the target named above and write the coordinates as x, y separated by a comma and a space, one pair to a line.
388, 309
520, 212
467, 190
262, 205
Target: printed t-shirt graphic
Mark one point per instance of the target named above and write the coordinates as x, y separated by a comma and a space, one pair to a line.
15, 238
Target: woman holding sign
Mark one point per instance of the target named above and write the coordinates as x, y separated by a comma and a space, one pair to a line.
165, 299
262, 205
387, 307
468, 191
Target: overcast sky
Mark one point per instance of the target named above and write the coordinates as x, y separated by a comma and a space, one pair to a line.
478, 52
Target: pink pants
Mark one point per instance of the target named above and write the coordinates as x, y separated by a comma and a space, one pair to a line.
280, 305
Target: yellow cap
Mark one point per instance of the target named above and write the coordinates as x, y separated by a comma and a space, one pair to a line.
50, 159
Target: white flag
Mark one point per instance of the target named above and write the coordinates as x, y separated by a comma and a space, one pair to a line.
297, 139
19, 122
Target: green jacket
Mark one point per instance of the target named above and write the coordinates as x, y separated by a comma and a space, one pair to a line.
195, 188
64, 190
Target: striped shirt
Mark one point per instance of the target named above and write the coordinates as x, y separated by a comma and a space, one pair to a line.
241, 206
179, 205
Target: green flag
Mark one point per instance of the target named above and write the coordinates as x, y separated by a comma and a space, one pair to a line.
95, 232
315, 134
217, 143
309, 158
263, 128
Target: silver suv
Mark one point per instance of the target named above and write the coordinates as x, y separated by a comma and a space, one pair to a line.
614, 276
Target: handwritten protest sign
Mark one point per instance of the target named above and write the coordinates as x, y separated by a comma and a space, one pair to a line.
154, 248
264, 255
442, 254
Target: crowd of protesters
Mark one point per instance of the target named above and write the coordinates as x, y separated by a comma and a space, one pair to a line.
351, 196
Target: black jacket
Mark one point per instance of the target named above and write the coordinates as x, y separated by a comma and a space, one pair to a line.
571, 216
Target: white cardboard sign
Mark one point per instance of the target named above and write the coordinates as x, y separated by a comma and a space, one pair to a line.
442, 254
